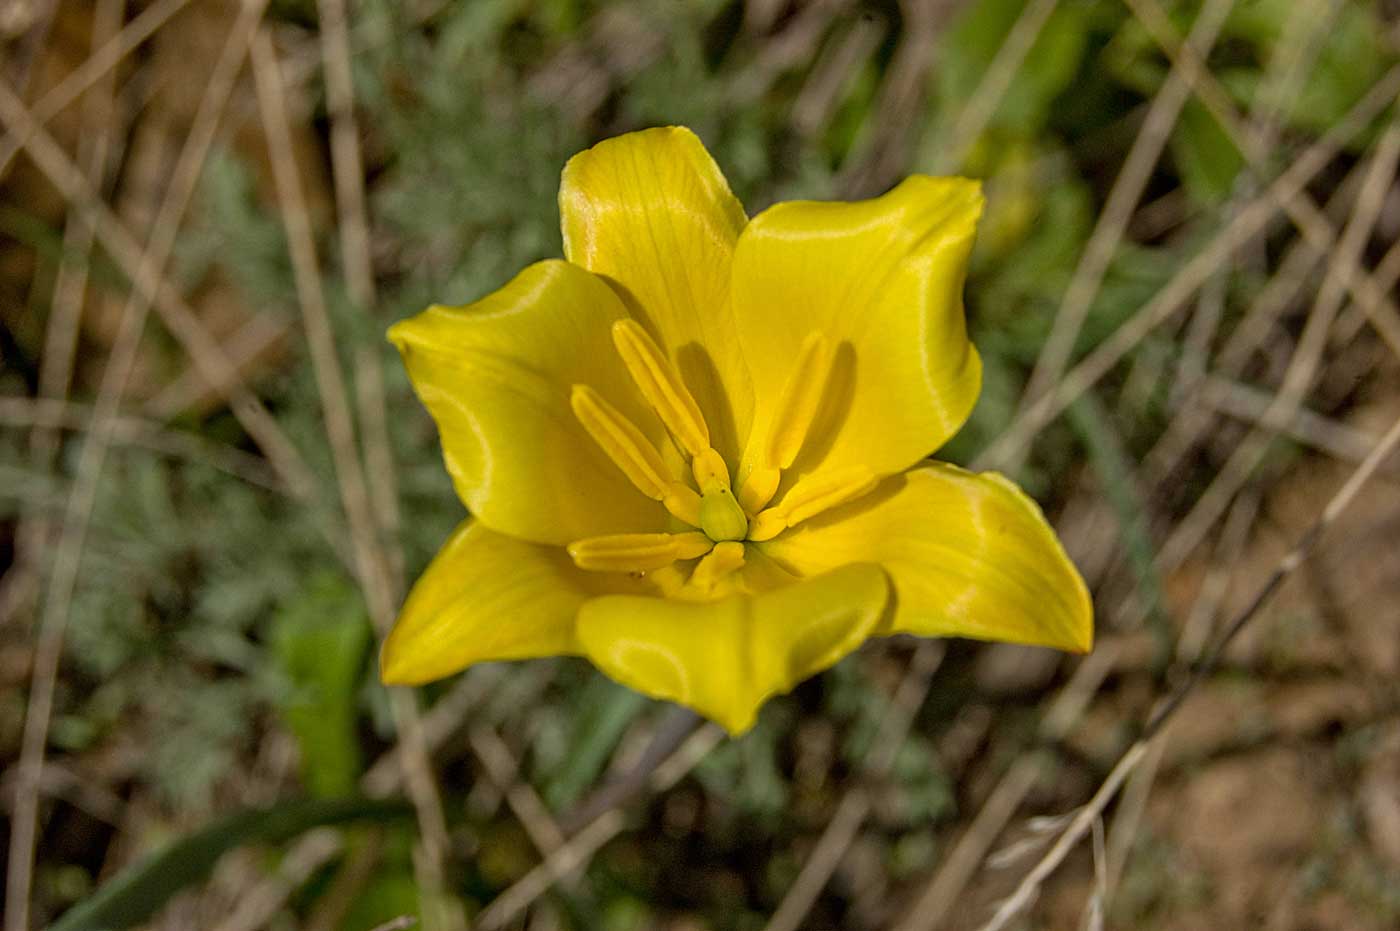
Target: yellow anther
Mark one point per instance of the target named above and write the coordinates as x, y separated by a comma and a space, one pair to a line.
710, 470
637, 552
792, 420
720, 515
625, 445
798, 403
632, 452
758, 489
662, 387
722, 560
682, 501
810, 497
766, 525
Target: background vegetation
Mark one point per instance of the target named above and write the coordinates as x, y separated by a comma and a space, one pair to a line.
215, 482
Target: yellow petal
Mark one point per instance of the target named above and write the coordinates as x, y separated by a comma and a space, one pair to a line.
881, 282
969, 555
497, 377
726, 658
651, 211
487, 596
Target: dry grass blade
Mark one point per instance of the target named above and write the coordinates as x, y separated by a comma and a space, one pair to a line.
1194, 636
855, 806
68, 554
340, 431
503, 769
882, 152
1311, 222
53, 416
65, 310
1193, 416
580, 848
936, 902
259, 906
1321, 433
89, 73
1123, 199
179, 318
1247, 223
982, 105
1027, 889
1303, 367
358, 267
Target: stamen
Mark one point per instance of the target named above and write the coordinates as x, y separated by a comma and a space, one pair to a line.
797, 405
632, 452
758, 489
810, 497
710, 470
662, 387
722, 560
637, 552
792, 419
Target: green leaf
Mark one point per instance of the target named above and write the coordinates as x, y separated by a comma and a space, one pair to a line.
136, 893
974, 39
607, 710
1350, 62
319, 640
1207, 159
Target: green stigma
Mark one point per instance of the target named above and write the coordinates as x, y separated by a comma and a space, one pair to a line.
720, 515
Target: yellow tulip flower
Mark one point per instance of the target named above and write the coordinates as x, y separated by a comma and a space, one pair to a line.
693, 450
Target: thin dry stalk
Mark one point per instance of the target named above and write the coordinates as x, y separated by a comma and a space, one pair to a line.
68, 553
1339, 440
70, 285
1194, 636
676, 726
37, 17
581, 847
1302, 368
179, 318
855, 806
883, 148
340, 431
1387, 273
1192, 418
1301, 209
65, 309
504, 769
832, 75
944, 891
1094, 910
65, 92
54, 416
1028, 888
1250, 220
357, 264
382, 779
995, 82
439, 723
1123, 199
190, 389
794, 46
259, 906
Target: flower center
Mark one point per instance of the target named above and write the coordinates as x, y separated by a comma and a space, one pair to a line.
725, 520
